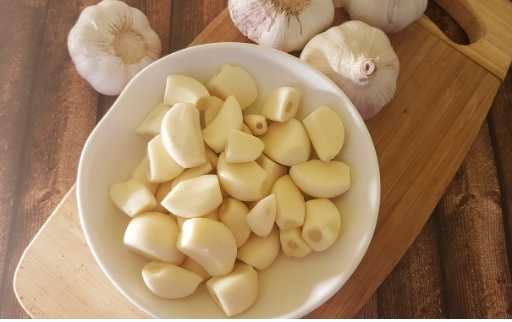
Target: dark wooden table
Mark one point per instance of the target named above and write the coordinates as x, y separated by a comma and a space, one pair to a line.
458, 267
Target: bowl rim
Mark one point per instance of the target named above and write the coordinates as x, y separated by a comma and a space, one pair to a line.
303, 311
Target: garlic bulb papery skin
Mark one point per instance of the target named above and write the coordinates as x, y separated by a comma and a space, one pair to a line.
282, 24
110, 43
360, 60
388, 15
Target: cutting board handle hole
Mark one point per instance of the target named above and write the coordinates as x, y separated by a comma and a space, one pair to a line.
456, 20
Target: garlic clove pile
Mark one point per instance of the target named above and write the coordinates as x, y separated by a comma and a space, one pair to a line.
388, 15
360, 60
281, 24
110, 43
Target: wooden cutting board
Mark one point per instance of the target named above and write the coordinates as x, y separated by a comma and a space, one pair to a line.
444, 93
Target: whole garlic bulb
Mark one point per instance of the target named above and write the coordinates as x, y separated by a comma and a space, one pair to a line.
282, 24
360, 59
110, 43
387, 15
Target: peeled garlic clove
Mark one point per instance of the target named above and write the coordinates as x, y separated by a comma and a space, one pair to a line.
262, 216
153, 235
210, 243
233, 214
162, 166
110, 43
161, 192
183, 89
321, 179
326, 132
229, 118
152, 123
194, 197
387, 15
322, 224
141, 173
211, 157
132, 197
242, 147
292, 243
369, 83
209, 106
192, 173
260, 252
193, 266
256, 123
287, 143
282, 104
273, 169
243, 181
285, 25
234, 81
170, 281
291, 208
235, 292
181, 135
213, 215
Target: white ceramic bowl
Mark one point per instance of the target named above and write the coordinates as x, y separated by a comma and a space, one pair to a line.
290, 287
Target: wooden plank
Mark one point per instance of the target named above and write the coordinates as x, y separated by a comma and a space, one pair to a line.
159, 14
193, 17
500, 120
62, 112
478, 281
370, 310
18, 66
414, 289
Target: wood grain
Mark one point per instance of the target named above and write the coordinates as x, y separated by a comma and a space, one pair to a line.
415, 287
61, 114
500, 120
370, 310
478, 282
18, 65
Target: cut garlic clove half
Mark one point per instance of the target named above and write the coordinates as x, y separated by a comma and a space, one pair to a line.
291, 208
321, 179
162, 166
273, 169
153, 235
322, 224
132, 197
194, 197
151, 125
242, 147
287, 143
196, 268
183, 89
233, 214
282, 104
260, 252
256, 123
243, 181
228, 118
209, 107
181, 135
235, 292
141, 173
110, 43
292, 243
192, 173
234, 81
326, 132
262, 216
210, 243
170, 281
